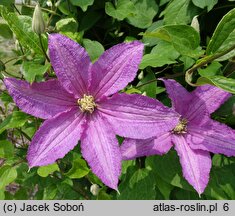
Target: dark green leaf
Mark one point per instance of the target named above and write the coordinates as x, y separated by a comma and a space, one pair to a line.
185, 39
6, 149
206, 3
169, 168
211, 70
149, 87
21, 26
179, 12
31, 69
5, 31
121, 10
82, 3
223, 37
162, 54
16, 119
228, 84
138, 185
7, 175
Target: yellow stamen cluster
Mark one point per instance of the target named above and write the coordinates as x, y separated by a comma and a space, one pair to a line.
87, 103
181, 127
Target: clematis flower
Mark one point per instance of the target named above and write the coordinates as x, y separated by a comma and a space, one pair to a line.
83, 104
195, 136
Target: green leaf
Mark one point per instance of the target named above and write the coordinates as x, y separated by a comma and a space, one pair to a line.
89, 19
211, 70
169, 168
139, 184
5, 31
227, 84
225, 112
6, 149
121, 10
144, 13
2, 194
179, 12
44, 171
162, 54
223, 37
185, 39
5, 98
82, 3
94, 49
206, 3
164, 187
148, 88
7, 175
222, 182
138, 13
151, 41
21, 26
79, 169
31, 69
67, 25
7, 4
16, 119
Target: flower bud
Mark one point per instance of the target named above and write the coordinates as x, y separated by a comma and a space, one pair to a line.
38, 24
195, 24
94, 189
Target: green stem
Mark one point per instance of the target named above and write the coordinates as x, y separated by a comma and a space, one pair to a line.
12, 59
16, 9
11, 75
43, 50
25, 135
204, 61
150, 81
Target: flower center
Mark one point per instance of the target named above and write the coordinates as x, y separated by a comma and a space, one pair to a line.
87, 103
181, 127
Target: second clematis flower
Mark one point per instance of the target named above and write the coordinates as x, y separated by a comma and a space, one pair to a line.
83, 104
195, 136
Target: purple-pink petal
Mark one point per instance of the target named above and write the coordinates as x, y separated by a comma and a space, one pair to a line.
115, 68
70, 62
206, 99
210, 96
213, 137
43, 100
56, 137
136, 116
100, 148
179, 96
133, 148
196, 164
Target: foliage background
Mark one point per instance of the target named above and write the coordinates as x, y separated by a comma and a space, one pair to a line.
175, 41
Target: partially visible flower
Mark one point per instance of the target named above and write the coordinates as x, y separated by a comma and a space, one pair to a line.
83, 104
195, 136
94, 189
38, 23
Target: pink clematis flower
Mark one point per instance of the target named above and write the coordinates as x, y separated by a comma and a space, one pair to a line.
79, 106
195, 136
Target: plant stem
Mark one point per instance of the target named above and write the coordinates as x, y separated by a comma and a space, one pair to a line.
204, 61
14, 6
25, 135
43, 50
150, 81
12, 59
